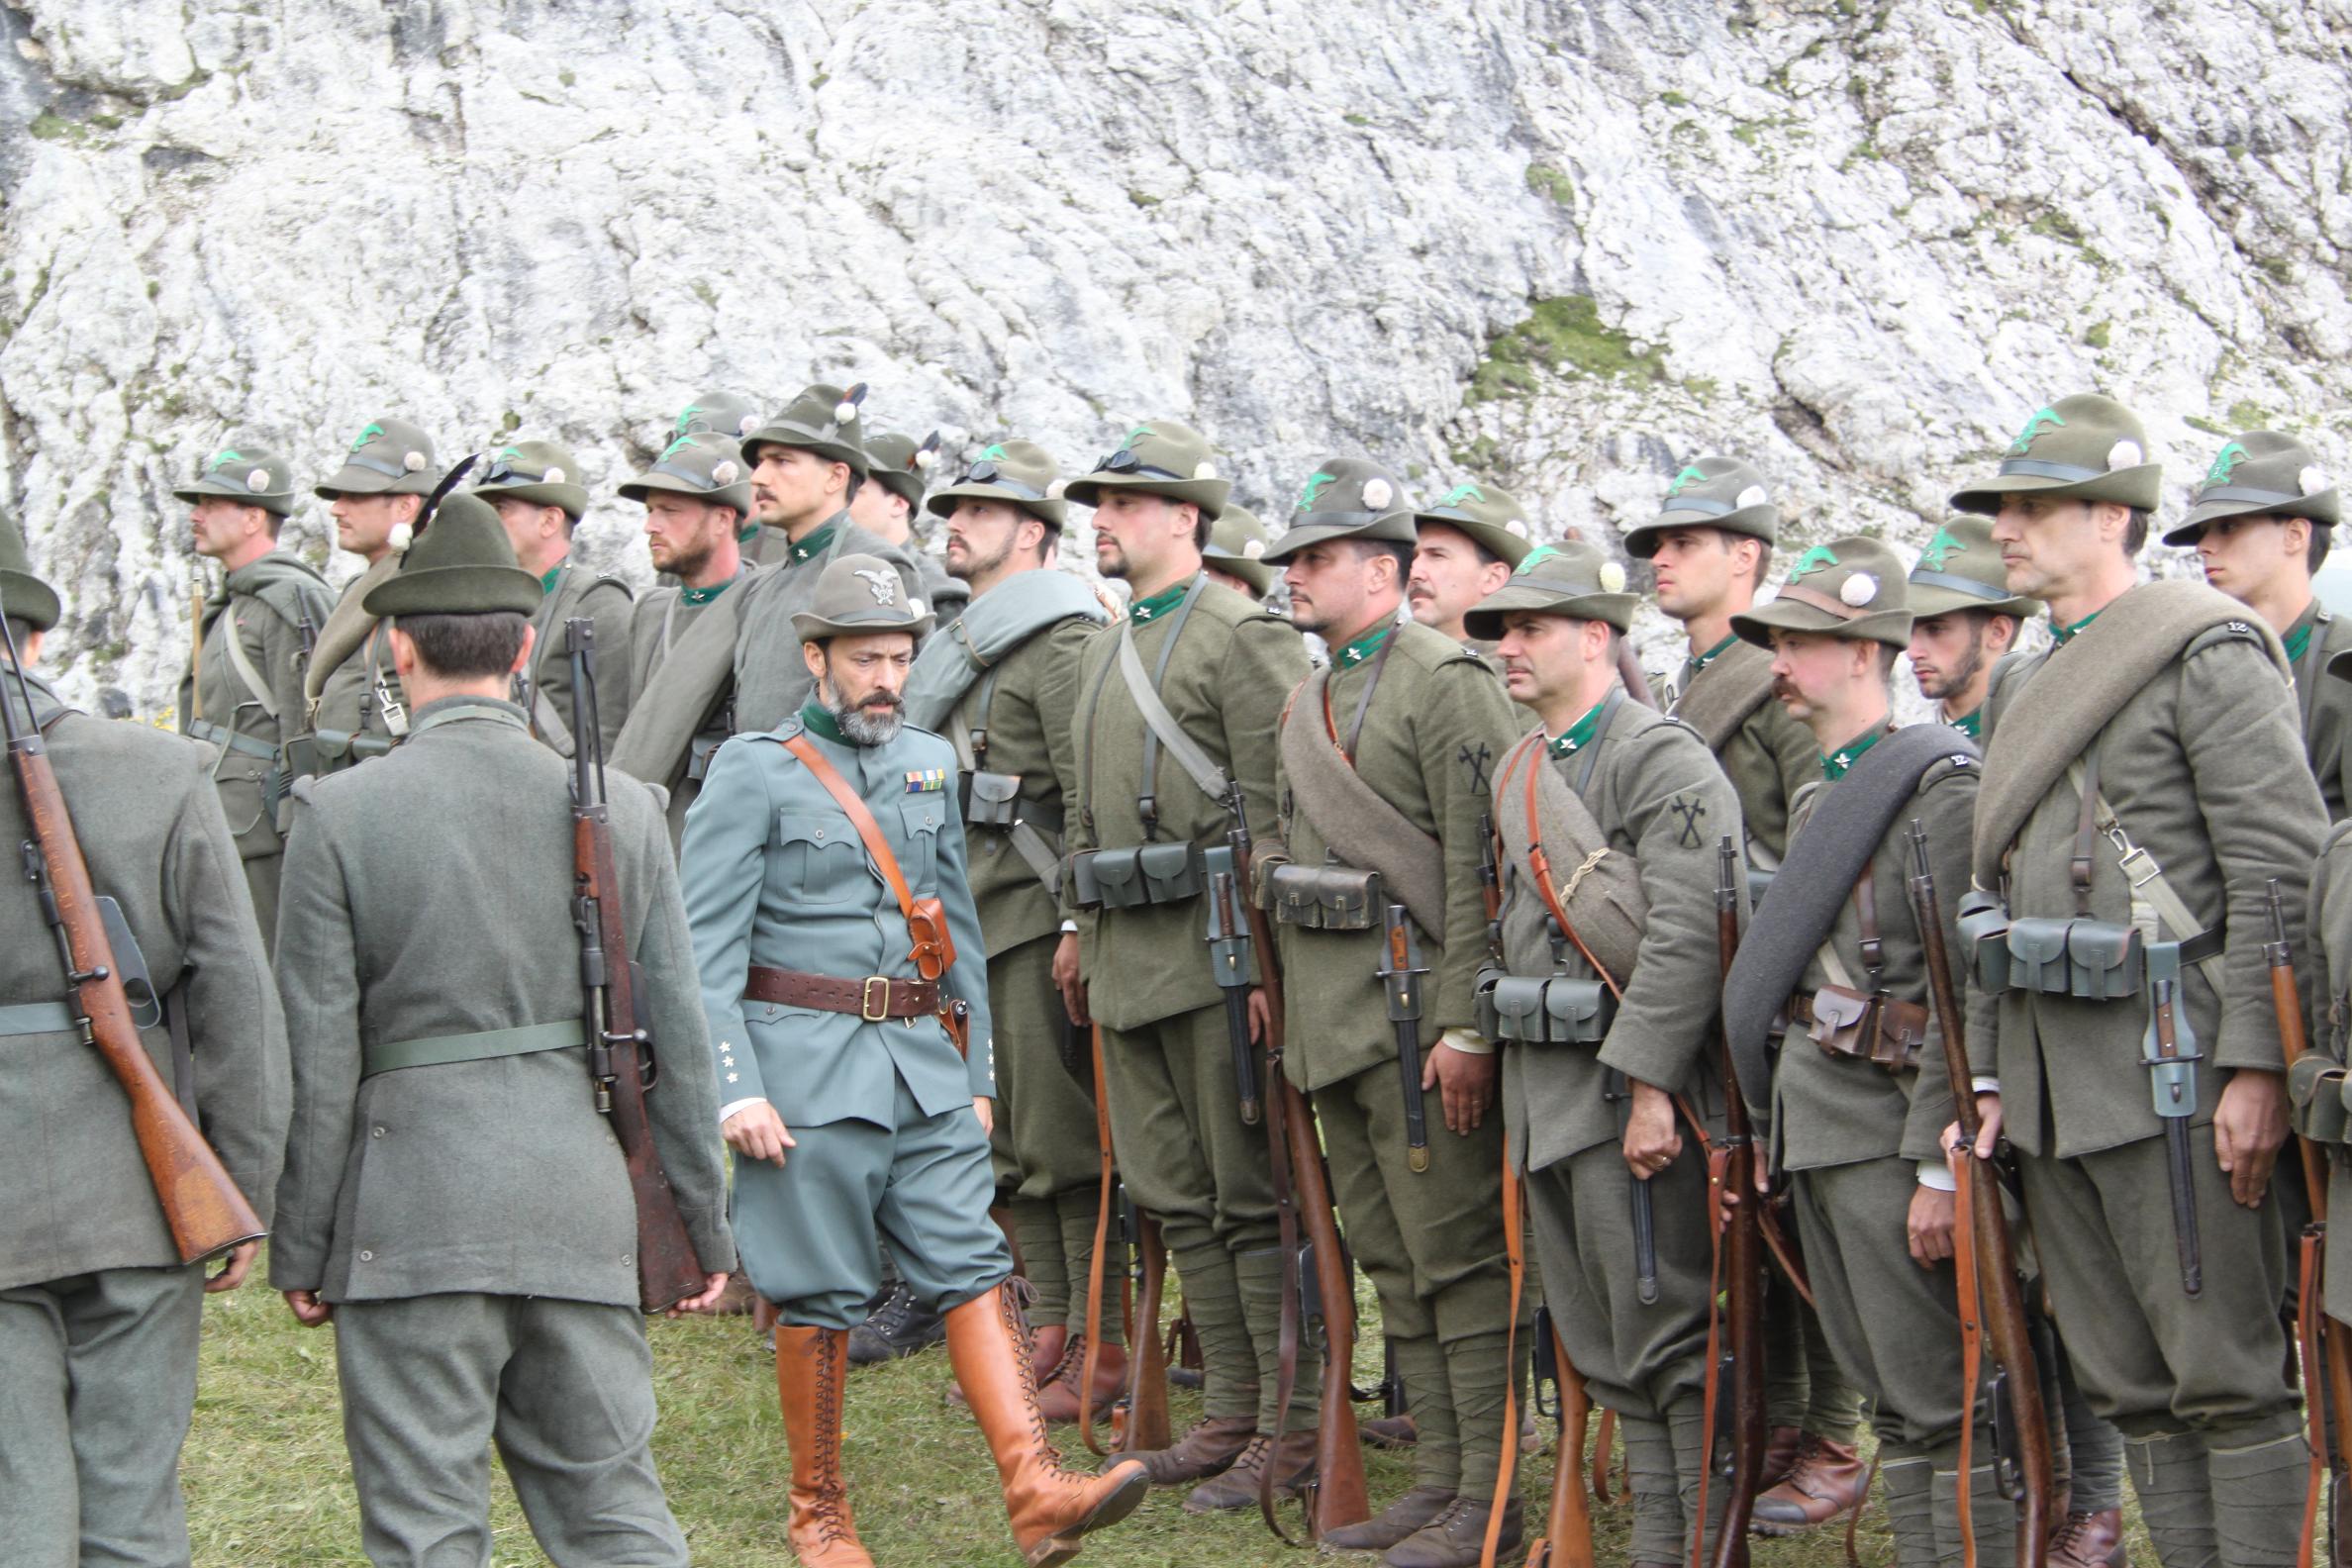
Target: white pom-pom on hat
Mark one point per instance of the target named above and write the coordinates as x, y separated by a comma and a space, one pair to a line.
551, 476
403, 535
1518, 530
1204, 469
746, 425
1378, 493
926, 458
413, 462
1058, 489
2312, 480
724, 474
1752, 496
2125, 455
1859, 589
1252, 550
1612, 577
845, 411
258, 480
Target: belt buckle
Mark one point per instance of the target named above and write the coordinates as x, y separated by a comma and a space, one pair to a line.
868, 1008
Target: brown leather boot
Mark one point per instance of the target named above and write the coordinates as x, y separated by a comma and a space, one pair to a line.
1390, 1432
2089, 1540
1780, 1456
1049, 1507
1046, 1355
1392, 1524
1238, 1486
1456, 1539
1213, 1444
1057, 1396
810, 1367
1827, 1479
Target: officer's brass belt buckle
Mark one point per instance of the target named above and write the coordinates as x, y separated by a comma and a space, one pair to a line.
873, 999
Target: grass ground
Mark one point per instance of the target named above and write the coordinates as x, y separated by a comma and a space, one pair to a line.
268, 1482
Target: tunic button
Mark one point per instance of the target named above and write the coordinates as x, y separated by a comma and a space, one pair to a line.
624, 1260
367, 1258
375, 1131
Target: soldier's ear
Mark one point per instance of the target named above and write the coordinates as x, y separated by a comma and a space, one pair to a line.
523, 654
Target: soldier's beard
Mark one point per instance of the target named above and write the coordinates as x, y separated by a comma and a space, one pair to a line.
1963, 672
872, 723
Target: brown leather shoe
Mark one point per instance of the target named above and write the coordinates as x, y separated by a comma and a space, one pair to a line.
1827, 1479
1236, 1486
811, 1364
1057, 1396
1050, 1507
1392, 1524
1780, 1456
2089, 1540
1390, 1432
1205, 1450
1456, 1539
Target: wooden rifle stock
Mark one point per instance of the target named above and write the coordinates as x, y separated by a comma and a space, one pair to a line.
1743, 1252
2000, 1298
202, 1207
1637, 684
619, 1047
1568, 1527
1147, 1426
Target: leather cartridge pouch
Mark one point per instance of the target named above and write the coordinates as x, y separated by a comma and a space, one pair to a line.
1141, 874
1880, 1028
2038, 956
2105, 962
1326, 898
992, 799
1511, 1009
1984, 937
1171, 871
1580, 1011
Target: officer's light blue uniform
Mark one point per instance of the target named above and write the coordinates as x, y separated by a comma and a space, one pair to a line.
775, 874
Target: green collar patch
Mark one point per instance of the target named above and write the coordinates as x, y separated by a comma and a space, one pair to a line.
550, 577
1970, 724
1362, 647
1940, 549
1578, 733
2298, 640
814, 545
1700, 662
1819, 558
1836, 764
817, 719
747, 532
2224, 461
1144, 611
2065, 634
703, 595
2043, 419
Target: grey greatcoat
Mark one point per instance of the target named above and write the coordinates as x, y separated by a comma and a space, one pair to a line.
471, 1219
555, 706
771, 680
98, 1317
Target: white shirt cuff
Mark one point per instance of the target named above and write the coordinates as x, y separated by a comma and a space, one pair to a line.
1069, 927
1938, 1175
1986, 1083
733, 1106
1466, 1042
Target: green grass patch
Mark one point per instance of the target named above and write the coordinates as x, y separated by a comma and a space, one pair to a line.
1564, 334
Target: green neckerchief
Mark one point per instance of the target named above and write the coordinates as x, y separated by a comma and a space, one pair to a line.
1362, 647
2065, 634
817, 719
1840, 763
550, 578
1699, 661
813, 545
2298, 640
1970, 724
1579, 733
1144, 610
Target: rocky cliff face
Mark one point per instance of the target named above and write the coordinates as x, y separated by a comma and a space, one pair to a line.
1558, 246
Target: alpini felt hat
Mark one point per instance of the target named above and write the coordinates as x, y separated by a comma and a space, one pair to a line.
539, 472
1571, 578
246, 473
2084, 447
705, 465
389, 456
1851, 588
463, 564
1711, 492
1160, 457
902, 465
858, 595
1960, 569
728, 414
23, 594
1489, 516
1237, 546
1346, 498
821, 420
2262, 473
1019, 474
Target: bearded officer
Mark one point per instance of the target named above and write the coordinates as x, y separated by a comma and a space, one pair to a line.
1218, 667
480, 1278
1595, 1060
356, 710
2144, 781
1964, 620
537, 490
889, 503
1709, 545
2262, 522
852, 1118
1859, 1092
1380, 780
1003, 686
241, 693
98, 1316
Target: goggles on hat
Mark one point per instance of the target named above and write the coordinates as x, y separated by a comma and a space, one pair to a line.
988, 473
1125, 462
506, 471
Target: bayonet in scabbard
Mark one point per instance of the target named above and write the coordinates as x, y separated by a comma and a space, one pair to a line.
1228, 964
2171, 1052
1400, 970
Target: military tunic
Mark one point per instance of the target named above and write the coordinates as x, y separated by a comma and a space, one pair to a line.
2206, 771
1430, 1242
889, 1147
2322, 701
356, 707
1768, 758
1175, 1118
98, 1316
660, 623
471, 1219
572, 593
771, 680
264, 606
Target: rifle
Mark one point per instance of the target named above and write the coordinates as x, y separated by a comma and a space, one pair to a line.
620, 1051
1303, 1192
1986, 1259
2326, 1343
1147, 1426
1628, 667
202, 1207
1743, 1253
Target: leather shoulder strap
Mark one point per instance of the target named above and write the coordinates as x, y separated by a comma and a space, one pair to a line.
825, 773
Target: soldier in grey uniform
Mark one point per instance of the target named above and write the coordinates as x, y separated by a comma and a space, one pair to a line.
1709, 545
98, 1316
1382, 783
1603, 1067
1003, 687
536, 488
1217, 669
731, 417
851, 1113
696, 495
355, 707
452, 1201
2262, 522
1964, 621
1860, 1092
2144, 780
241, 693
889, 504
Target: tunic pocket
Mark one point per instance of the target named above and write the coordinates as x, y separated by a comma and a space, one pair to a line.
820, 858
922, 820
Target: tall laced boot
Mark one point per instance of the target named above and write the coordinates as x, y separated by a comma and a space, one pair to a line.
811, 1365
1057, 1396
1050, 1507
2089, 1539
2175, 1497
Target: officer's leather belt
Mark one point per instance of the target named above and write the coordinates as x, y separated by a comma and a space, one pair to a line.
874, 998
1873, 1029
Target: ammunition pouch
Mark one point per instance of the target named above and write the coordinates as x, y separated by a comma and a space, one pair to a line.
1331, 898
1551, 1010
1141, 874
2315, 1085
332, 751
699, 751
2090, 959
1875, 1028
1984, 938
2038, 956
992, 799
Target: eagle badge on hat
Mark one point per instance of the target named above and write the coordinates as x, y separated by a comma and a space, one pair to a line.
883, 585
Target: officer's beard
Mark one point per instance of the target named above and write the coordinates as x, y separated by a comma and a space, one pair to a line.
875, 722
